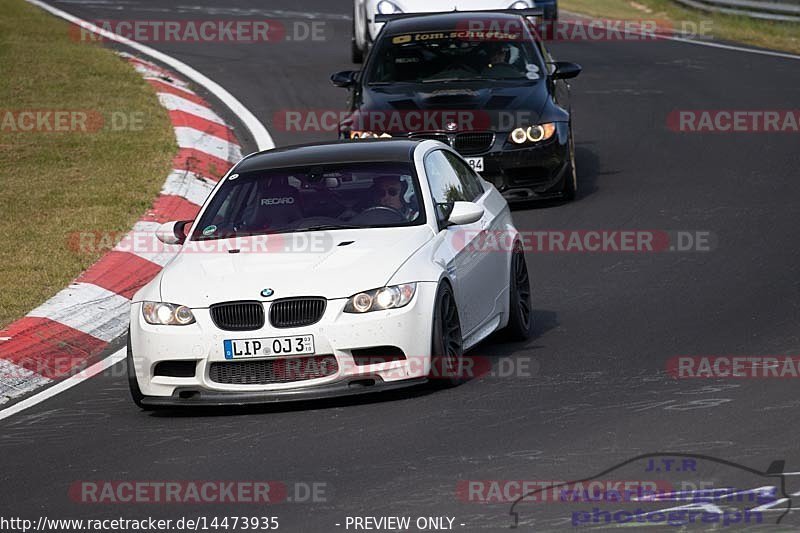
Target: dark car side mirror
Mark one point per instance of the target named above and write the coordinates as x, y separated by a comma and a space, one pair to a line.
345, 79
566, 71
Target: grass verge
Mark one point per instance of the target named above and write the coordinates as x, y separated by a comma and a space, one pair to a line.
774, 35
56, 183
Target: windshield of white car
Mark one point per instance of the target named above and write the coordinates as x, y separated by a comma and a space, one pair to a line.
318, 198
447, 57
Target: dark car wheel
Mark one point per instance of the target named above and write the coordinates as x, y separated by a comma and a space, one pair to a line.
520, 320
570, 190
447, 345
133, 383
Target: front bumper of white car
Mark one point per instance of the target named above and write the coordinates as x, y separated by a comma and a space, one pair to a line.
353, 354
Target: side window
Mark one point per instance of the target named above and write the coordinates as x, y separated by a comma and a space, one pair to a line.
473, 188
446, 187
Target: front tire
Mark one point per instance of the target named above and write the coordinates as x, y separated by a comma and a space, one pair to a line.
570, 190
520, 311
447, 345
133, 382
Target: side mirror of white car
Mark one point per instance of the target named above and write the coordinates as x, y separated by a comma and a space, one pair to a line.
172, 232
465, 213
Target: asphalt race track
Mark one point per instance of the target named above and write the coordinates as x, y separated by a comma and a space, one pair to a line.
597, 392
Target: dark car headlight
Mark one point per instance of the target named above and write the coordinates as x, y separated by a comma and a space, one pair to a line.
393, 297
532, 134
164, 314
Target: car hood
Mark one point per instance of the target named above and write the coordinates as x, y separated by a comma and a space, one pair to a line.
500, 107
343, 263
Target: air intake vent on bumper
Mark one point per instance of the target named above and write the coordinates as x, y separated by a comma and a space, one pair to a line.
270, 371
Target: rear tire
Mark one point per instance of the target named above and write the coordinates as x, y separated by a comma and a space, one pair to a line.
447, 345
520, 311
133, 382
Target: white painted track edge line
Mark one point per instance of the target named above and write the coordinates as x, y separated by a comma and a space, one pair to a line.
260, 134
770, 53
64, 385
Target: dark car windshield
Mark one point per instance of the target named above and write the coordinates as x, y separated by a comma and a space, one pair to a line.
323, 197
447, 56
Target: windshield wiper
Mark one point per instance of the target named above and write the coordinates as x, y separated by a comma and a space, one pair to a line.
324, 227
447, 80
480, 78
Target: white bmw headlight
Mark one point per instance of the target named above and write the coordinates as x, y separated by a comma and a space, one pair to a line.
381, 299
533, 134
386, 7
164, 314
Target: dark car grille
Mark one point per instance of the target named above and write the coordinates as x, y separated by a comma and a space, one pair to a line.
238, 316
473, 143
269, 371
431, 136
296, 312
464, 143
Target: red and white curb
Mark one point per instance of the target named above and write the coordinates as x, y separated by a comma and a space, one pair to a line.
62, 336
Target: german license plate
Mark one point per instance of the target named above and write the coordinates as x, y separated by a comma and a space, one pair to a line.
476, 163
269, 347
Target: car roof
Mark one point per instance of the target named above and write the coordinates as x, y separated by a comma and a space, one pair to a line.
445, 21
326, 153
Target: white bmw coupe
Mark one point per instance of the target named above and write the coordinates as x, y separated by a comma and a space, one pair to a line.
325, 270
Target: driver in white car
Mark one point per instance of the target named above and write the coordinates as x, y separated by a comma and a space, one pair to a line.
390, 191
